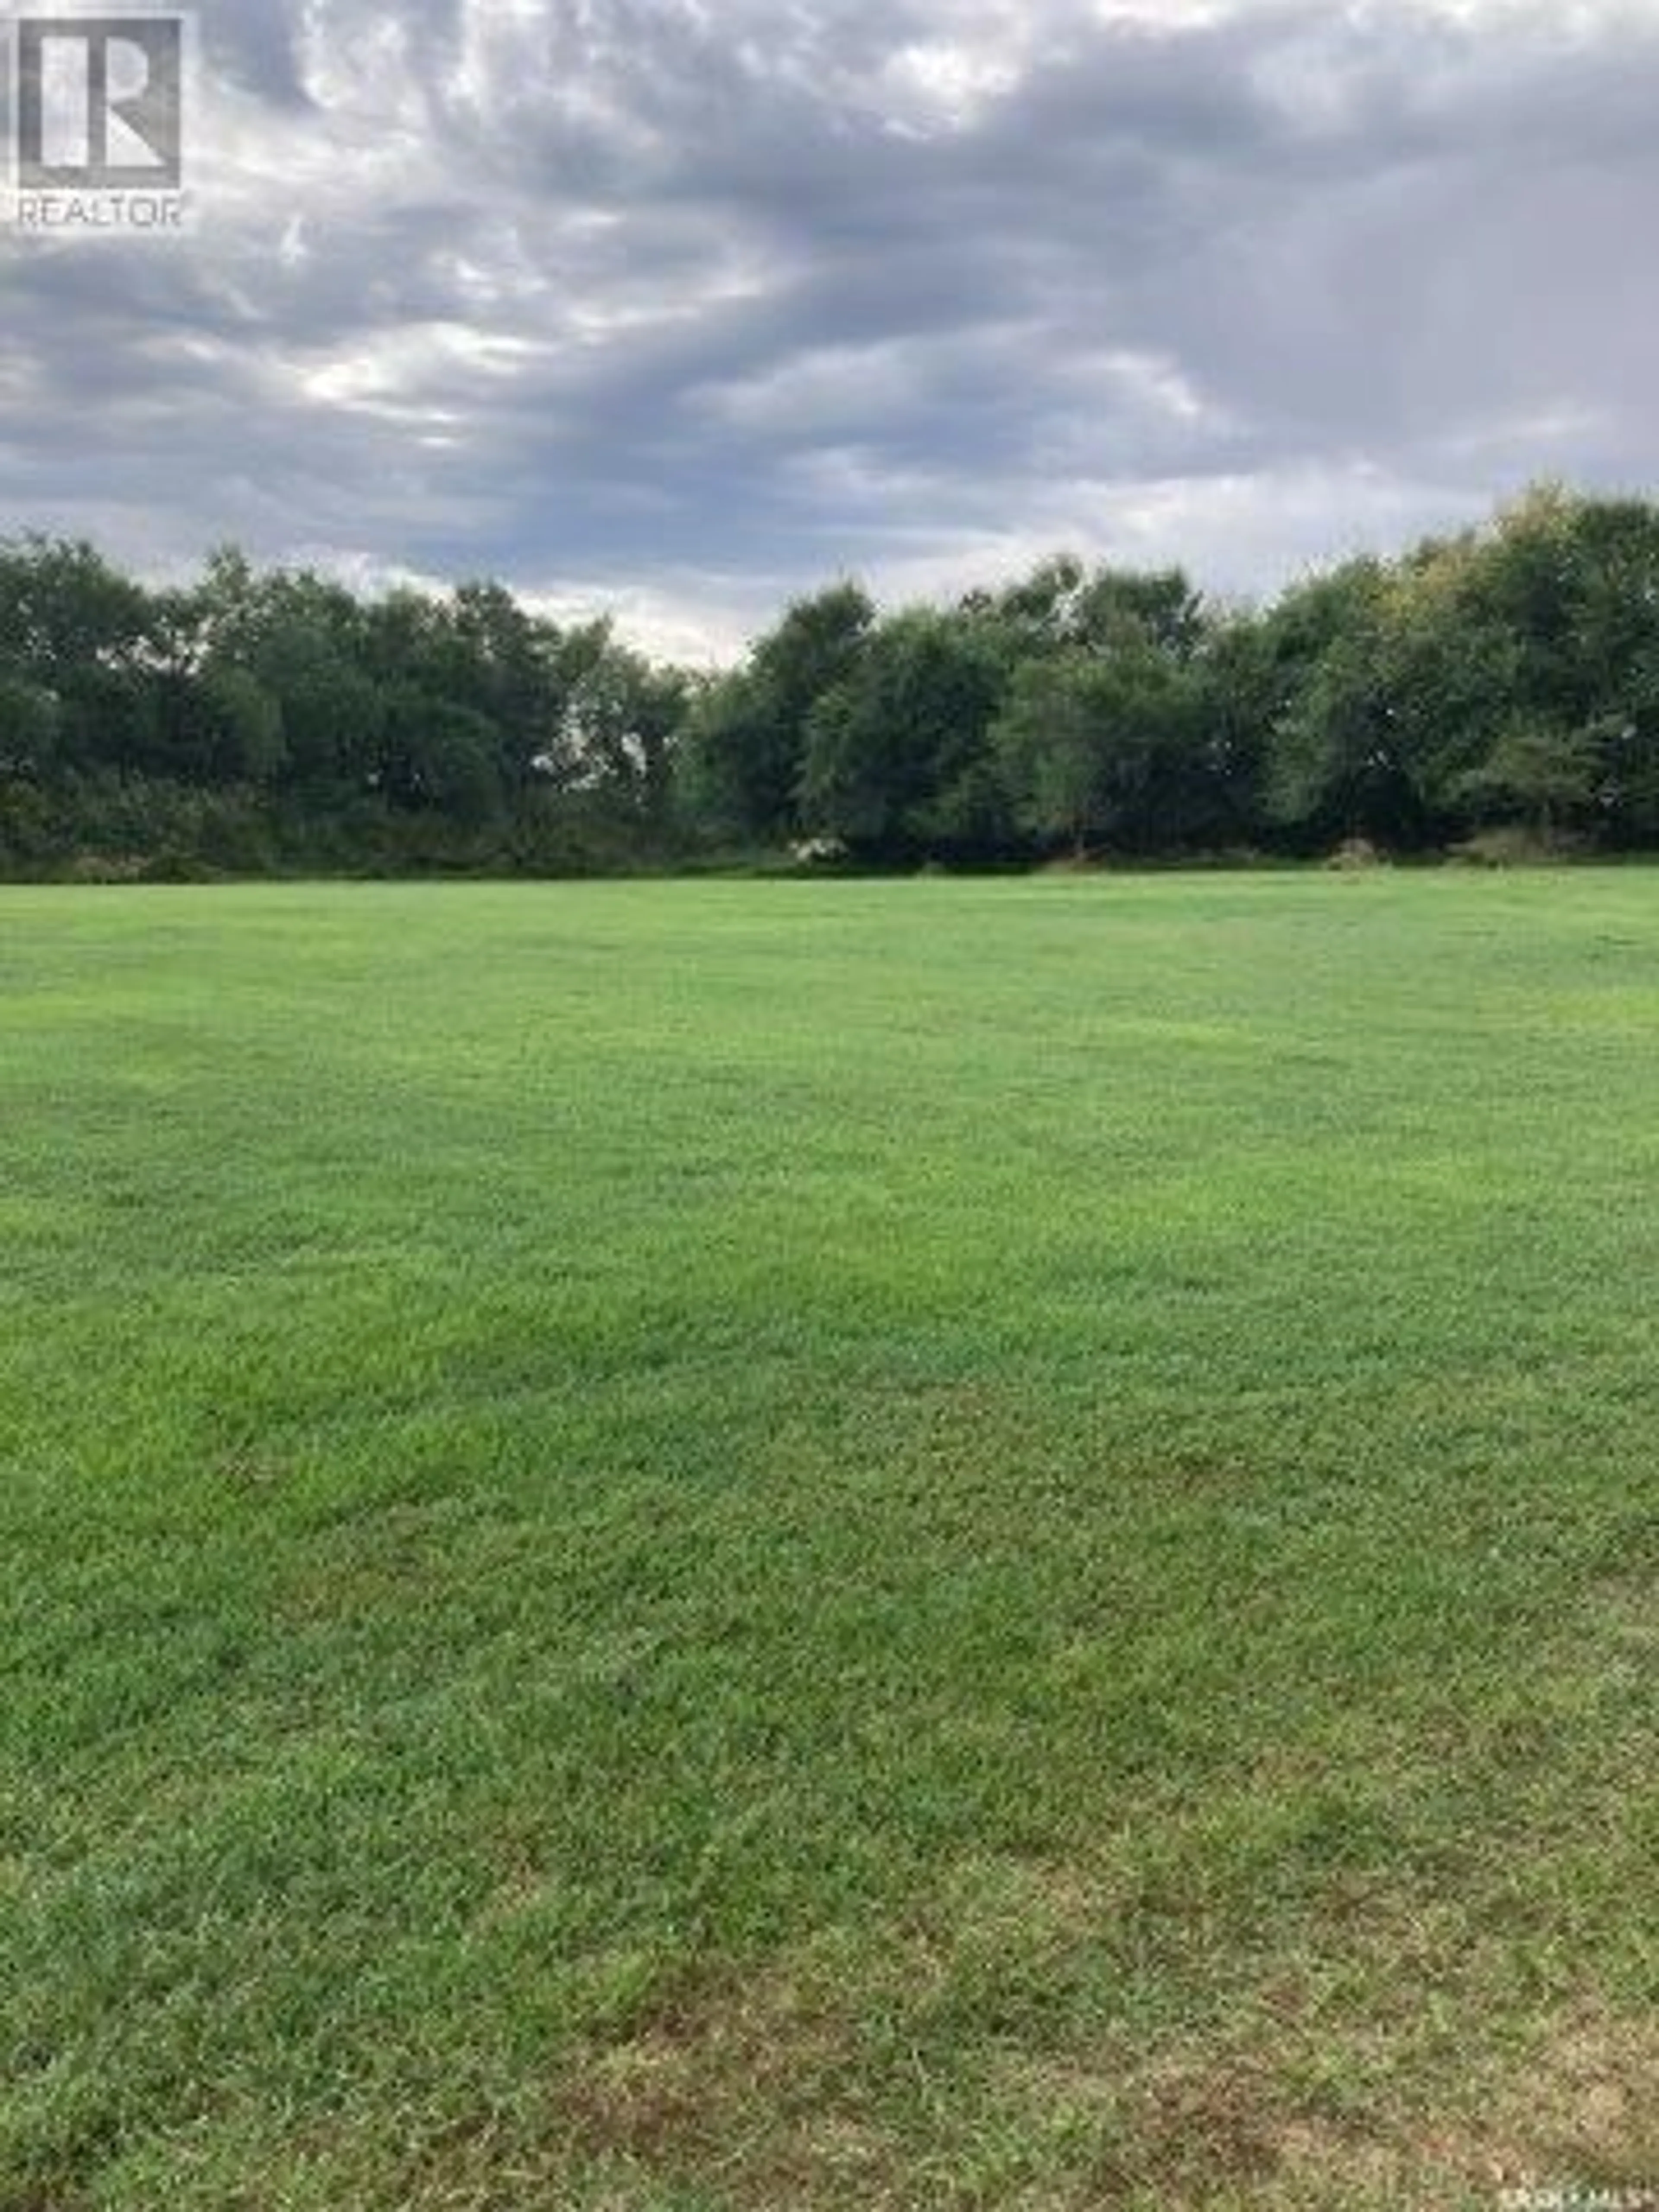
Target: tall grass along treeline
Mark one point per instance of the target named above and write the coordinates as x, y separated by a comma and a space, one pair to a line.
1500, 685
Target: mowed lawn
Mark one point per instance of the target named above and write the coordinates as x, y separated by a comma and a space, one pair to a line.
932, 1544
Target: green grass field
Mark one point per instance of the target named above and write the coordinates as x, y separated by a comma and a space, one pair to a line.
911, 1544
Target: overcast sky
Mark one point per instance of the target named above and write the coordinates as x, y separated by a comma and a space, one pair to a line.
683, 306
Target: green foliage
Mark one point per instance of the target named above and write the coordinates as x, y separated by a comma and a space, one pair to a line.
247, 724
1547, 776
895, 751
625, 719
749, 733
31, 718
1090, 744
1061, 746
1506, 675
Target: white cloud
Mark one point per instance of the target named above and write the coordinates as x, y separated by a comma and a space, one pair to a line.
680, 308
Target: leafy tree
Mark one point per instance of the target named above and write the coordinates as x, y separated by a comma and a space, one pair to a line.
1536, 773
747, 739
30, 721
625, 720
246, 725
72, 630
438, 757
1506, 674
1337, 764
892, 747
64, 609
736, 778
1087, 745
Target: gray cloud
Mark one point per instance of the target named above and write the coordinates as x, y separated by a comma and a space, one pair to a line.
690, 304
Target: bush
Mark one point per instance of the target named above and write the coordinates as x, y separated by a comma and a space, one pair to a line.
1513, 845
1356, 854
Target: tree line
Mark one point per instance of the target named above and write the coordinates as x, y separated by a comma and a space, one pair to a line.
1501, 683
